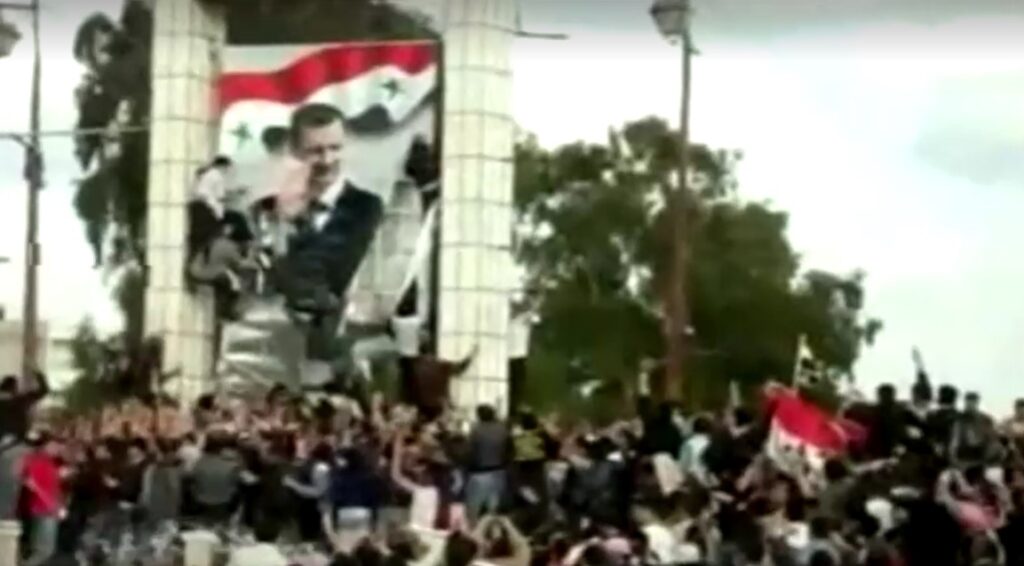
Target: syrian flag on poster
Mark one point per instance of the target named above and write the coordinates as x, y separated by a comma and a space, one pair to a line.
384, 90
803, 435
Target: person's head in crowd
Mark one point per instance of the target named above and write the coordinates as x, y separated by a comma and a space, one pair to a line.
948, 396
167, 450
267, 531
1018, 409
528, 421
137, 450
36, 439
460, 550
974, 475
46, 442
317, 138
236, 229
742, 417
322, 452
486, 414
277, 395
8, 386
822, 558
206, 403
99, 452
275, 140
221, 164
972, 403
780, 491
835, 470
596, 555
367, 554
702, 425
886, 394
403, 545
820, 528
497, 542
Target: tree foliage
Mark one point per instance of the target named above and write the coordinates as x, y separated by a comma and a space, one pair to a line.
594, 239
268, 22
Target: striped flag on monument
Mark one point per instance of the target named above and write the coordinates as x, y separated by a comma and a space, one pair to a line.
384, 90
387, 94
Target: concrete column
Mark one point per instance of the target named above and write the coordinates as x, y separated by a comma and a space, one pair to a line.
187, 42
476, 225
10, 534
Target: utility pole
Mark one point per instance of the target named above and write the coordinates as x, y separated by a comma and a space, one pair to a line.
673, 20
34, 179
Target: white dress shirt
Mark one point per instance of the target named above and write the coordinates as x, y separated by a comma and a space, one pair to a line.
327, 201
212, 188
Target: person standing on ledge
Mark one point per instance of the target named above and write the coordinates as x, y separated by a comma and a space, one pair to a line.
17, 402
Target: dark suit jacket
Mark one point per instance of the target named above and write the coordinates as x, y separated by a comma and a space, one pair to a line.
329, 257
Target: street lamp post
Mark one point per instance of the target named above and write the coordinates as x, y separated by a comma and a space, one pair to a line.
9, 36
672, 18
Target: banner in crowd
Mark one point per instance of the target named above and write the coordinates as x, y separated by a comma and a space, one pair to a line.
315, 225
802, 435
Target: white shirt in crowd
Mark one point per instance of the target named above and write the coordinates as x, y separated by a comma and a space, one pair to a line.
664, 548
212, 188
261, 554
423, 510
691, 458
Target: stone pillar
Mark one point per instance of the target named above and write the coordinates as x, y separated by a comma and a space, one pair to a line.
476, 225
187, 41
10, 535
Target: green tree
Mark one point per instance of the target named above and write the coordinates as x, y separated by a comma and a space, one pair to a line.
113, 102
268, 22
593, 244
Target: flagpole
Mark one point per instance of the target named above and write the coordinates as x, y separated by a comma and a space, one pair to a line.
800, 342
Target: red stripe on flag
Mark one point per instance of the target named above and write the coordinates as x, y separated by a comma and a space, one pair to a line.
805, 421
298, 81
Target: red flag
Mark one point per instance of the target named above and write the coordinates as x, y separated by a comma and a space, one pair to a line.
801, 432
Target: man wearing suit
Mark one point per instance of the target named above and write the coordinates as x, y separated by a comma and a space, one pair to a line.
334, 225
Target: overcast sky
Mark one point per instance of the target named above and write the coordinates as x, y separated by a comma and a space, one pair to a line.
891, 130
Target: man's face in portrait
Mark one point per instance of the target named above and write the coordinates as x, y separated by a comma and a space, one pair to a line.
320, 147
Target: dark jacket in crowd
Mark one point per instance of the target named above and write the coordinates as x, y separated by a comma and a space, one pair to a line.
489, 447
215, 479
16, 407
162, 491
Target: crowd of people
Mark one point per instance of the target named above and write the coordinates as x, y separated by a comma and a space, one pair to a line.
286, 480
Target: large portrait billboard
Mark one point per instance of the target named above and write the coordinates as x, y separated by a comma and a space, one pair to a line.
314, 224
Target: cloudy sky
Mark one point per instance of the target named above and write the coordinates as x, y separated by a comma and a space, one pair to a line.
891, 130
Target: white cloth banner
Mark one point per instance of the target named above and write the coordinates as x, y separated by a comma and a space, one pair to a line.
407, 335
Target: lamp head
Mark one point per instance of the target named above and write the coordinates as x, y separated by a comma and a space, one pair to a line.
9, 37
670, 16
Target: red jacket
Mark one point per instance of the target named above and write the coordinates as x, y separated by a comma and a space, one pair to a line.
43, 497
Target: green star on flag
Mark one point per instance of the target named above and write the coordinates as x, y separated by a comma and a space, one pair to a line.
392, 87
242, 135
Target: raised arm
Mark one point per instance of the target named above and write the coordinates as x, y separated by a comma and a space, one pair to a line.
397, 455
39, 389
459, 368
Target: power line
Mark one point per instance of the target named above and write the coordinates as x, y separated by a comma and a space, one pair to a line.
21, 137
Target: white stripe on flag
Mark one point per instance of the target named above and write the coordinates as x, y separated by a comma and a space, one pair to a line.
353, 97
790, 453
